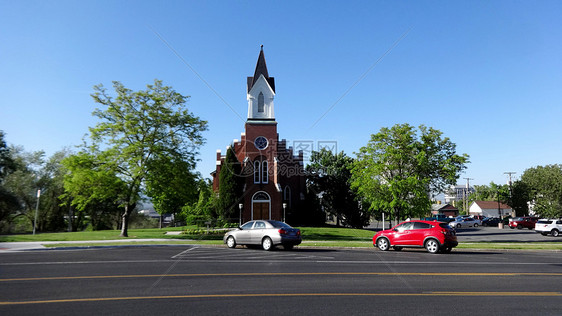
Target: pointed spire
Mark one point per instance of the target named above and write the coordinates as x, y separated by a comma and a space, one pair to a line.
261, 69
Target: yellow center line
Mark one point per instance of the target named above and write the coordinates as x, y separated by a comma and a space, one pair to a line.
470, 274
101, 299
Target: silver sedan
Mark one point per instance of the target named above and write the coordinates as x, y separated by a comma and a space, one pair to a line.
465, 222
266, 233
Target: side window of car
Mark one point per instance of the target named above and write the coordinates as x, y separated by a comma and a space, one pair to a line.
248, 225
260, 225
404, 226
418, 225
559, 222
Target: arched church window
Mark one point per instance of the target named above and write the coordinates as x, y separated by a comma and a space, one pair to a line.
264, 172
260, 103
257, 168
260, 196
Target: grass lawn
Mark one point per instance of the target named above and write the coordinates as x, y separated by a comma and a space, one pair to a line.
308, 233
94, 235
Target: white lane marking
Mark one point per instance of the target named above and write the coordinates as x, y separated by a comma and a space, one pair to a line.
183, 252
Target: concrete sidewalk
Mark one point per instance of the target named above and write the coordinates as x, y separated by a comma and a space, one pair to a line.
38, 245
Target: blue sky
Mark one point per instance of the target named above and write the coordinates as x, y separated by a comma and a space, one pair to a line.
488, 74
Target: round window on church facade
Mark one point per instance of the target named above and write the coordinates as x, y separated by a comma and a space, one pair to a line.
261, 142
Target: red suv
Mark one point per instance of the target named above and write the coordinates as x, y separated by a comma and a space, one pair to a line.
432, 235
523, 222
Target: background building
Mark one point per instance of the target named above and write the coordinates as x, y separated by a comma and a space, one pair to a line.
457, 193
490, 209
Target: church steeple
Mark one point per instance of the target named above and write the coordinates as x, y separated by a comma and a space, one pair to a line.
261, 91
261, 69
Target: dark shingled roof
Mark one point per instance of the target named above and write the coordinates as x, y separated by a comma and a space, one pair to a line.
261, 69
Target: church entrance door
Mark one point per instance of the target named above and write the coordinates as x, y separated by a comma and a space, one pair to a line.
261, 203
261, 210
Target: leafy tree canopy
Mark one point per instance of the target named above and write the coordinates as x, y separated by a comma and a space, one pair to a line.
330, 177
137, 133
545, 189
400, 168
230, 186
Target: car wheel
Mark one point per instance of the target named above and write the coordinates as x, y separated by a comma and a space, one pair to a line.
266, 244
475, 225
555, 233
511, 227
288, 247
459, 225
396, 248
432, 246
383, 244
230, 242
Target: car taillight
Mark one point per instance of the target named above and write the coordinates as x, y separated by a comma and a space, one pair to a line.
282, 231
298, 232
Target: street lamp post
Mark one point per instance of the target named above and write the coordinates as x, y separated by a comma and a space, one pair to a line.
36, 210
240, 206
284, 208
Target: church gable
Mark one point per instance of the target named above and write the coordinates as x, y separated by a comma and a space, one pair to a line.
260, 100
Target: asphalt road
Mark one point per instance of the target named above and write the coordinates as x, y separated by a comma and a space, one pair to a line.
191, 280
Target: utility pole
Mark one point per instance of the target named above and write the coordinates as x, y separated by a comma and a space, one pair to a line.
509, 173
466, 192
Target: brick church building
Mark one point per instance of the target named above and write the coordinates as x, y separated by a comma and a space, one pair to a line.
274, 181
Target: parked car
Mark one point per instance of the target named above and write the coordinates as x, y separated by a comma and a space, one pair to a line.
266, 233
478, 217
462, 217
439, 219
465, 222
523, 222
549, 226
434, 236
491, 221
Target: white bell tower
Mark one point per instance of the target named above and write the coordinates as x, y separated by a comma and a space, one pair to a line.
261, 92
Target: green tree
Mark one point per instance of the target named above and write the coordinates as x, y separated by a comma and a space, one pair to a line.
491, 192
520, 196
52, 182
230, 186
544, 185
171, 185
24, 182
329, 175
30, 172
398, 170
93, 187
8, 201
138, 128
204, 208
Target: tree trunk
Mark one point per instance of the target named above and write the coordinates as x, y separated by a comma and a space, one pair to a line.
125, 220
